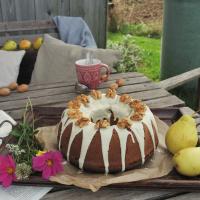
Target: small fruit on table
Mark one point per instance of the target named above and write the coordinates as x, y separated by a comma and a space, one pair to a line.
113, 86
22, 88
187, 161
13, 86
120, 82
24, 44
104, 77
4, 91
182, 134
37, 43
10, 45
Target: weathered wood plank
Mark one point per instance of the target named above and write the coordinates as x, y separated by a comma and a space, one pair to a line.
128, 81
25, 10
165, 102
192, 196
96, 9
1, 15
150, 94
45, 9
8, 10
76, 8
61, 88
43, 99
7, 27
102, 24
126, 75
181, 79
105, 194
64, 7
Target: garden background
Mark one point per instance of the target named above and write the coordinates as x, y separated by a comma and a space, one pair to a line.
135, 28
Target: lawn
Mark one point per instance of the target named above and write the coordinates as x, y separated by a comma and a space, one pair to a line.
150, 48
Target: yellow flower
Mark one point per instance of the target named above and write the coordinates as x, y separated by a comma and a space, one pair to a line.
40, 153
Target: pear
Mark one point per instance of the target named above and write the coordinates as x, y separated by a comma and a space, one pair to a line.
187, 161
37, 43
10, 45
182, 134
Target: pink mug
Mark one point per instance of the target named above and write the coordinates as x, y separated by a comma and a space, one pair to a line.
90, 74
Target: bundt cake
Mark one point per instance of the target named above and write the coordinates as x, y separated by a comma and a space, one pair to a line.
107, 132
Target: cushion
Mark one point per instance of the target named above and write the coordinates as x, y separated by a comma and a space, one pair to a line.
9, 66
56, 60
27, 66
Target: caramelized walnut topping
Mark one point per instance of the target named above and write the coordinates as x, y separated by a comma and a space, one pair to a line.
135, 103
123, 123
138, 106
96, 94
83, 121
120, 82
74, 113
125, 98
75, 104
137, 117
103, 123
114, 86
83, 99
141, 109
111, 93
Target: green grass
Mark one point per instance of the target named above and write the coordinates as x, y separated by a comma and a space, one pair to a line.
150, 48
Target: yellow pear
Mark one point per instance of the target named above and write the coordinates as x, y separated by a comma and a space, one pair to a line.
37, 43
187, 161
182, 134
10, 45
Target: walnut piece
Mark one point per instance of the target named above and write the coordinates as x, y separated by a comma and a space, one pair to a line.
114, 86
83, 99
104, 77
137, 117
138, 106
135, 103
111, 93
125, 98
123, 123
120, 82
103, 123
74, 113
83, 121
74, 104
96, 94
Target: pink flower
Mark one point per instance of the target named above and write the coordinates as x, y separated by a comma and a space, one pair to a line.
49, 163
7, 170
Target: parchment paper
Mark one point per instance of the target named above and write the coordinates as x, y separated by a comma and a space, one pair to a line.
160, 164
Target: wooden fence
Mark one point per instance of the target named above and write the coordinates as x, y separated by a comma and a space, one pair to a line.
94, 12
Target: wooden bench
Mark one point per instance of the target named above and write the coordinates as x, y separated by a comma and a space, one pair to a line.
181, 79
26, 29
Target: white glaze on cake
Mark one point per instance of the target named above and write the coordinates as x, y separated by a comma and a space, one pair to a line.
103, 106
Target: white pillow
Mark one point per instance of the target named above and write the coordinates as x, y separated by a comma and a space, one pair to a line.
56, 60
9, 66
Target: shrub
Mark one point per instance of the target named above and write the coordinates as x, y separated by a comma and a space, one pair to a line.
130, 52
142, 29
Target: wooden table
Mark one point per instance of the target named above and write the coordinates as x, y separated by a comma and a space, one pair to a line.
57, 94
